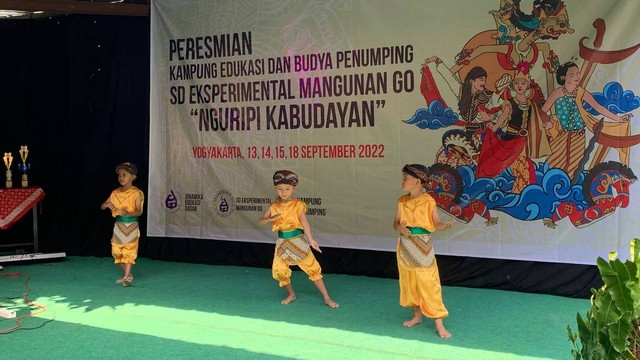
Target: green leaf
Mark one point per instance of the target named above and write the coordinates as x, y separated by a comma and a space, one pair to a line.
612, 324
583, 328
573, 338
632, 268
604, 347
587, 333
617, 279
627, 355
634, 249
607, 312
619, 333
635, 293
634, 285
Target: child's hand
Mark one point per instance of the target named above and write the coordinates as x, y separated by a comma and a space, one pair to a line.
315, 245
275, 217
403, 230
447, 225
122, 212
109, 205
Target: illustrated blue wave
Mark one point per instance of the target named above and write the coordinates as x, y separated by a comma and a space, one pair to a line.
537, 201
615, 99
436, 116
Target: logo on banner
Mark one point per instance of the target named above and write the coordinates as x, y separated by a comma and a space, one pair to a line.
224, 203
171, 201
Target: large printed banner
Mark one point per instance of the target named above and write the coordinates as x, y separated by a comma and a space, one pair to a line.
522, 110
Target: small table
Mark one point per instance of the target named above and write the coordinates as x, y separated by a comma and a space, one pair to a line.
14, 204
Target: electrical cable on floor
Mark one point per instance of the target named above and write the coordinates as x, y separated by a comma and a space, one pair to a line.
41, 308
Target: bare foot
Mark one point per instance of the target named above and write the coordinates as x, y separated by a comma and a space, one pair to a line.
442, 332
412, 321
122, 279
288, 299
127, 280
331, 303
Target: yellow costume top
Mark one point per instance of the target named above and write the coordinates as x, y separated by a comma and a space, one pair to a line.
417, 212
290, 212
125, 199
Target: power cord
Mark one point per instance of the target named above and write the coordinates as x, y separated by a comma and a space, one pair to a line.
41, 308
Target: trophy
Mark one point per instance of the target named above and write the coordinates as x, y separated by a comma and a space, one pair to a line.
24, 152
8, 159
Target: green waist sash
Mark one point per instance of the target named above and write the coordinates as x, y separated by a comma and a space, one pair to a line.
127, 219
418, 230
289, 234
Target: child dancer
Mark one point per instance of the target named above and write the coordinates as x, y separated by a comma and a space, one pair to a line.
287, 215
125, 204
416, 218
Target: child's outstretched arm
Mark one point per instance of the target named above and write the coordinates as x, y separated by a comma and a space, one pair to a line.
107, 205
307, 231
440, 225
268, 218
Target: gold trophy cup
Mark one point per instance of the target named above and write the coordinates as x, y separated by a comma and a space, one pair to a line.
24, 152
8, 159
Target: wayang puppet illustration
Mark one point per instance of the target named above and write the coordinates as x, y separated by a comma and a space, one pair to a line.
533, 148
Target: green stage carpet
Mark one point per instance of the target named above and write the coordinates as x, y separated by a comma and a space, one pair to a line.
193, 311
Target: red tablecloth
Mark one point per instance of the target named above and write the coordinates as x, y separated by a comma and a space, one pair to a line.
14, 203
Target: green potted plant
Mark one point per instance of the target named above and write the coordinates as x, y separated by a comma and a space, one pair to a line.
611, 328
